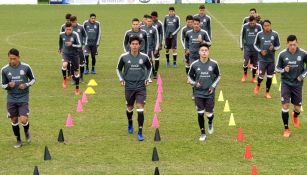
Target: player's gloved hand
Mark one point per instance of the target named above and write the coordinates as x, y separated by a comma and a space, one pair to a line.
22, 86
146, 82
264, 53
300, 78
12, 84
123, 83
287, 68
211, 90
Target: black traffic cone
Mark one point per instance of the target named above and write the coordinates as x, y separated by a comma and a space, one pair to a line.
157, 136
47, 154
155, 156
61, 136
35, 171
157, 171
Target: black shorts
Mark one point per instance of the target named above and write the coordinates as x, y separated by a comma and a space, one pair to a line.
251, 57
73, 60
206, 104
266, 67
82, 58
291, 93
90, 50
171, 43
138, 96
17, 109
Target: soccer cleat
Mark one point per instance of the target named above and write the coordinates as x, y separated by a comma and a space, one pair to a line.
210, 129
154, 76
77, 92
28, 137
130, 129
65, 84
167, 65
202, 137
295, 121
93, 71
253, 80
256, 90
267, 95
150, 80
175, 65
18, 144
140, 137
287, 133
244, 78
86, 71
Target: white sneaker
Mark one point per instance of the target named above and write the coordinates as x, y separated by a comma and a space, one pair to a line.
202, 137
210, 129
150, 81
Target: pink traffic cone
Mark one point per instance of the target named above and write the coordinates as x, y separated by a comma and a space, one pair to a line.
69, 122
79, 106
159, 80
84, 98
155, 122
160, 97
157, 107
160, 89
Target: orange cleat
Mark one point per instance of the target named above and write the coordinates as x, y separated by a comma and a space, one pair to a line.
287, 133
77, 92
256, 90
253, 80
65, 84
267, 95
244, 78
295, 121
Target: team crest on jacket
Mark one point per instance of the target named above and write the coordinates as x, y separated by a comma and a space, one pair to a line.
141, 35
272, 37
256, 30
150, 31
299, 58
174, 20
129, 62
205, 20
22, 72
141, 61
78, 30
210, 68
95, 26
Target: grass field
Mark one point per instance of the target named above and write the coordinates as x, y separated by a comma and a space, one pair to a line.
99, 143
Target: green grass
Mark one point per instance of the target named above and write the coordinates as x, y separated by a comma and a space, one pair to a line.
98, 143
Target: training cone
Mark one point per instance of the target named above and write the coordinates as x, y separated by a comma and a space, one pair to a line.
226, 107
155, 156
160, 89
155, 122
302, 108
157, 136
232, 120
84, 98
274, 80
159, 80
221, 97
47, 154
254, 170
92, 82
61, 136
79, 106
35, 171
160, 97
90, 91
248, 154
279, 89
240, 137
157, 171
157, 107
69, 122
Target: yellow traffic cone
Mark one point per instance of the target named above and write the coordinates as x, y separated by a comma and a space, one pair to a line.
92, 82
302, 108
226, 107
279, 89
221, 97
90, 90
232, 120
274, 81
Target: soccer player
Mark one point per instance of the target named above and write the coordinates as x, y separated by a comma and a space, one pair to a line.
292, 65
184, 30
153, 42
82, 35
136, 31
133, 71
93, 31
171, 27
247, 38
204, 76
159, 26
67, 17
69, 46
252, 12
266, 43
143, 23
205, 20
16, 78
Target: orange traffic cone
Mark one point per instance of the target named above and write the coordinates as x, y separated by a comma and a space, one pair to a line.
240, 137
248, 154
254, 170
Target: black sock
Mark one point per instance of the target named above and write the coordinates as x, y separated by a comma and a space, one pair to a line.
210, 119
93, 62
167, 57
77, 80
81, 71
64, 73
16, 131
285, 118
268, 84
175, 57
157, 63
187, 70
245, 69
254, 72
201, 122
68, 69
296, 114
140, 121
129, 117
86, 61
259, 81
26, 127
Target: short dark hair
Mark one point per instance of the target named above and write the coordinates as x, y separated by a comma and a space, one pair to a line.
146, 16
92, 14
189, 17
135, 19
135, 38
13, 51
67, 16
204, 45
171, 8
266, 20
149, 17
68, 24
202, 7
154, 13
73, 18
251, 18
291, 38
196, 19
253, 9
